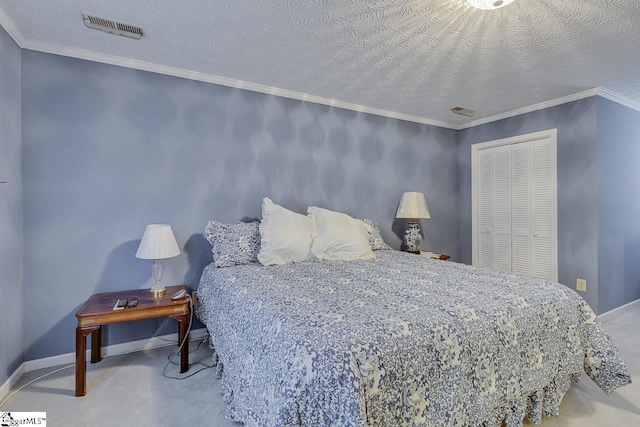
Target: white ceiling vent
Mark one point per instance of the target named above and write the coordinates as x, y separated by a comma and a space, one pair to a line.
113, 27
462, 111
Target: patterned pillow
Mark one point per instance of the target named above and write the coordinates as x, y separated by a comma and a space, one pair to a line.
233, 244
375, 239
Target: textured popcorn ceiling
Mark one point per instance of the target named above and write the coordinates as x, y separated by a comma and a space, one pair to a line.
410, 57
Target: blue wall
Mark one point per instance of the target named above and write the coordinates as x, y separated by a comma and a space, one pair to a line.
577, 185
11, 285
107, 150
618, 204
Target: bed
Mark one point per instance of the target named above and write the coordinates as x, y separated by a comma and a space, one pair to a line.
399, 340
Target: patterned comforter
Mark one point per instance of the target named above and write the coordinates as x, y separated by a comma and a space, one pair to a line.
400, 340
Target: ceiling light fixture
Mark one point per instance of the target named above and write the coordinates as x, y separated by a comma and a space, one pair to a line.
489, 4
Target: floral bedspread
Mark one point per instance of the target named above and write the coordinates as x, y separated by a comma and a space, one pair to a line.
400, 340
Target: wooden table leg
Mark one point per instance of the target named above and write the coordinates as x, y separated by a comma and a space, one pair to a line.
96, 345
184, 353
183, 322
81, 369
81, 359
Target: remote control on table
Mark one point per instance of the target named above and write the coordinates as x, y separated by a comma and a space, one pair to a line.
132, 302
120, 304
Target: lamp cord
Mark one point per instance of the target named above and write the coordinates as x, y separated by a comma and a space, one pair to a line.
184, 339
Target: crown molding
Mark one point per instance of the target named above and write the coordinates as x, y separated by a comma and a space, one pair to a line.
605, 93
9, 26
72, 52
41, 46
535, 107
620, 99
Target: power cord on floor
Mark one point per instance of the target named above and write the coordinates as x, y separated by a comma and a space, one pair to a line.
170, 361
153, 332
155, 335
33, 381
177, 353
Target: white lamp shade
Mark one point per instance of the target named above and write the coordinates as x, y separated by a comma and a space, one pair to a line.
413, 206
489, 4
158, 242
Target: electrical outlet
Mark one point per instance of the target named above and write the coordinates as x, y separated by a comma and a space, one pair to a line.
194, 297
581, 285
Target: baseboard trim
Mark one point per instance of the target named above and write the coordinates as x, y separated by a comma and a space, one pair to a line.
11, 381
111, 350
610, 313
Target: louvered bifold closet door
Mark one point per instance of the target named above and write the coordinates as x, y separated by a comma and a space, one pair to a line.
485, 208
502, 207
520, 206
514, 204
494, 207
541, 209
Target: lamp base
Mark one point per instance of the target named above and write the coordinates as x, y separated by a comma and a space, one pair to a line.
157, 292
412, 237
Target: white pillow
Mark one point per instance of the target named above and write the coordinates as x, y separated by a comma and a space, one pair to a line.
337, 236
285, 235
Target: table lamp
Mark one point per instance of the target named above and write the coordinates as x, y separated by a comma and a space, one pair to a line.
413, 207
158, 242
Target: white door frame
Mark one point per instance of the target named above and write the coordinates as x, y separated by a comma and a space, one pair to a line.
552, 135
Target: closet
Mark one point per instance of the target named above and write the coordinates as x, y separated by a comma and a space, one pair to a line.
514, 191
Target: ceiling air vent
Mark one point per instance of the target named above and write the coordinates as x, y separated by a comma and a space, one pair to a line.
113, 27
462, 111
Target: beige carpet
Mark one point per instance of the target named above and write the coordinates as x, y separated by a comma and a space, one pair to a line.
131, 390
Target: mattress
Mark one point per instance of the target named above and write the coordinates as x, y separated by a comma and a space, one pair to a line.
400, 340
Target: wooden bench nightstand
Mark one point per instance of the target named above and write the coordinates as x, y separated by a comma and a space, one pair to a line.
98, 311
